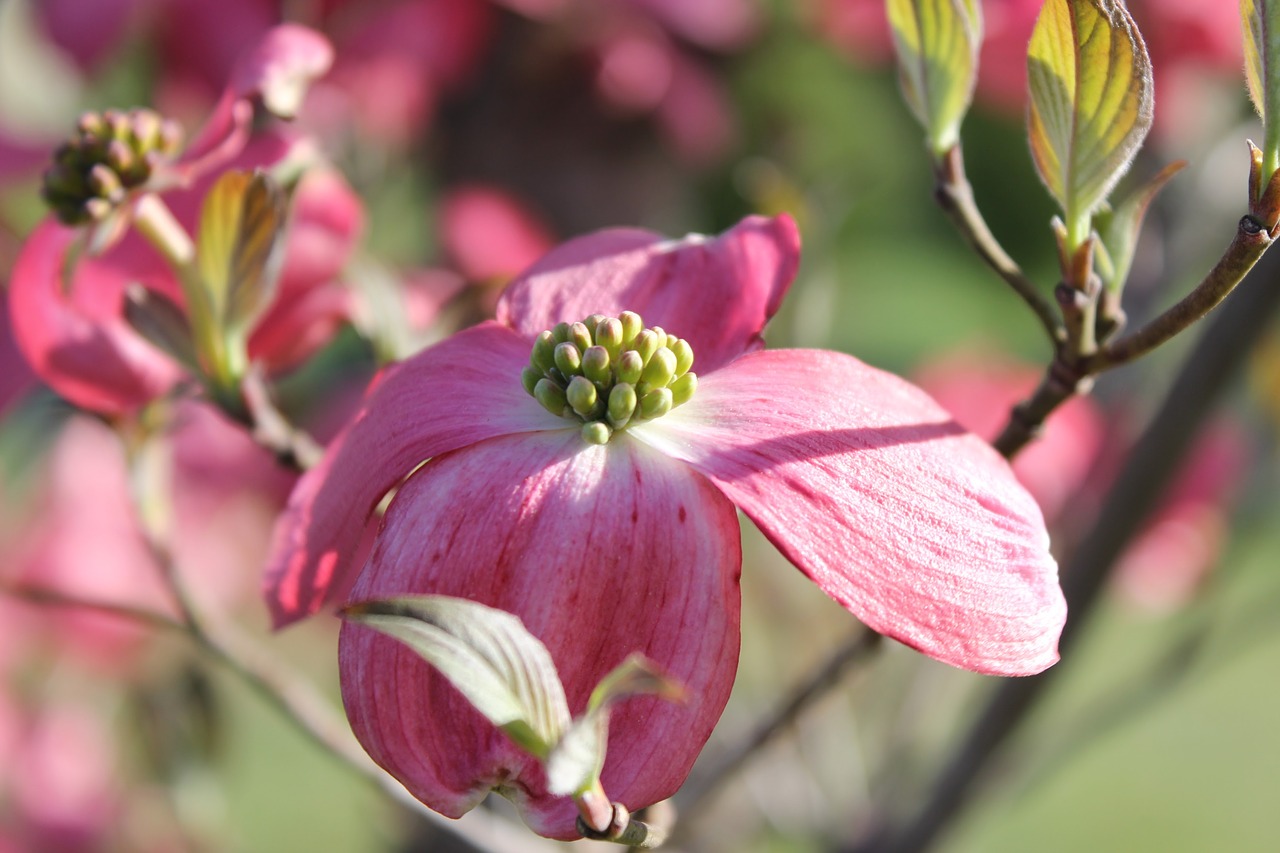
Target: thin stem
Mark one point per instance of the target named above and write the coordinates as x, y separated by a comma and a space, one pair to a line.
1245, 250
1217, 357
57, 598
1071, 371
954, 195
854, 650
292, 446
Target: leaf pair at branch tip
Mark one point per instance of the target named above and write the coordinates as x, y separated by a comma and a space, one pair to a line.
1260, 20
508, 675
1091, 102
937, 44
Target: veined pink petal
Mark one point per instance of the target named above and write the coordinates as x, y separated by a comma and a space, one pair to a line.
741, 277
867, 485
461, 391
601, 551
90, 356
15, 376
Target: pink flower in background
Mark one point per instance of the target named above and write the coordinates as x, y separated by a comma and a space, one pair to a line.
980, 388
1166, 565
868, 486
81, 536
488, 235
74, 333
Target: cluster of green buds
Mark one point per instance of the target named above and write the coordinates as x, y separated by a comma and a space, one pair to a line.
609, 373
111, 153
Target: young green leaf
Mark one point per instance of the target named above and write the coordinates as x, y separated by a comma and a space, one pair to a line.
1091, 101
487, 654
1261, 24
575, 762
937, 44
1120, 227
239, 246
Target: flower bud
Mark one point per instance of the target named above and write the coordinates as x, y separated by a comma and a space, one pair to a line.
595, 365
622, 405
661, 368
551, 396
629, 367
568, 359
655, 404
582, 396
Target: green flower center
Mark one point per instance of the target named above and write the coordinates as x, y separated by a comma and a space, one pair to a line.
609, 373
110, 153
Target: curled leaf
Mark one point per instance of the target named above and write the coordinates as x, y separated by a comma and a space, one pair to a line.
575, 762
937, 45
1120, 227
1091, 99
504, 671
239, 246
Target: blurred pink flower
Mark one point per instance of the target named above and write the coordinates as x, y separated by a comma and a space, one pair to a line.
63, 780
861, 480
1165, 566
15, 376
74, 333
488, 235
82, 536
980, 388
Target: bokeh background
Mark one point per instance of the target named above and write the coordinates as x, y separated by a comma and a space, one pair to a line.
477, 134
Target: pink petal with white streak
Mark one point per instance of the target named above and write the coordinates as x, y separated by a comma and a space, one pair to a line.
461, 391
739, 279
601, 551
867, 485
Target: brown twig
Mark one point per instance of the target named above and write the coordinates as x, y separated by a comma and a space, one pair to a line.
854, 650
954, 195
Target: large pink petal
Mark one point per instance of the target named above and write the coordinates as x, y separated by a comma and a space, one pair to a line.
717, 292
601, 551
461, 391
867, 485
81, 347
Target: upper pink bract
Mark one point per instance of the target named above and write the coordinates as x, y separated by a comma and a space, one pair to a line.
862, 481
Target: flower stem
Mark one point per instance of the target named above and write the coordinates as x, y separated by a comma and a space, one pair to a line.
954, 195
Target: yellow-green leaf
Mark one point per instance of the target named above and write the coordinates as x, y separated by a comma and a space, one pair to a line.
1261, 24
1091, 101
238, 247
937, 44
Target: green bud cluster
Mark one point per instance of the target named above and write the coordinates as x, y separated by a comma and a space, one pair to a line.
109, 154
609, 373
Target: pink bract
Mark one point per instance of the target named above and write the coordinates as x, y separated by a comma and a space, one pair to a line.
860, 479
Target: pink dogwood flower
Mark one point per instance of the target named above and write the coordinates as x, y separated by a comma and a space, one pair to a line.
69, 320
609, 536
